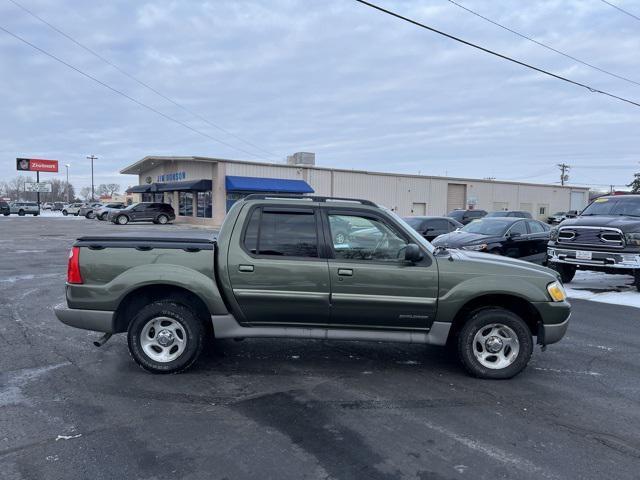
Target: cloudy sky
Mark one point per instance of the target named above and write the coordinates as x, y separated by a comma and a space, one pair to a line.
361, 89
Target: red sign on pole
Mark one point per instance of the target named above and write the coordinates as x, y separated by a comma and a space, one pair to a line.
37, 165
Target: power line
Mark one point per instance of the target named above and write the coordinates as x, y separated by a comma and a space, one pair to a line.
497, 54
564, 169
121, 93
621, 9
544, 45
140, 82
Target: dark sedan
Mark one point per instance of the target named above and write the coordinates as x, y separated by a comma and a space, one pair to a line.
513, 237
4, 208
432, 227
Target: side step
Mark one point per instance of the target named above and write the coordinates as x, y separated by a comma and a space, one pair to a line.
226, 326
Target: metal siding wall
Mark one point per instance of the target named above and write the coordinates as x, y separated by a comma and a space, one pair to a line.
320, 181
265, 171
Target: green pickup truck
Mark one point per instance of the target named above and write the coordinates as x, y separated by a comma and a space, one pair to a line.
279, 268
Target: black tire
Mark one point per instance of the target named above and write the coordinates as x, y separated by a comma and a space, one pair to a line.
65, 213
636, 279
36, 214
162, 219
567, 272
90, 215
76, 214
102, 217
21, 213
122, 220
483, 318
193, 331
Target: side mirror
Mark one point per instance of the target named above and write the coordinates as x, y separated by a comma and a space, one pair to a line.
412, 253
514, 234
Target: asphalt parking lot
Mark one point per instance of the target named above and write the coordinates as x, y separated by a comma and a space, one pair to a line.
290, 409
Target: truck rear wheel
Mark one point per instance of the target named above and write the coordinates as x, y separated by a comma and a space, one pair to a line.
567, 272
494, 343
165, 337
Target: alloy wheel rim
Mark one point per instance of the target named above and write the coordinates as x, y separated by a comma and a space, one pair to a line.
163, 339
496, 346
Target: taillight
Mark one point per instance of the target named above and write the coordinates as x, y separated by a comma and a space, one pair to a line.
73, 269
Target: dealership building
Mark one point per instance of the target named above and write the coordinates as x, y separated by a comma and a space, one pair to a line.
201, 189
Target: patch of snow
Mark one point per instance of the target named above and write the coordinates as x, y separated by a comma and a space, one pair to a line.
67, 437
570, 372
605, 288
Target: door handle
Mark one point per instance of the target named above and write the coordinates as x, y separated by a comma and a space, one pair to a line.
245, 268
345, 272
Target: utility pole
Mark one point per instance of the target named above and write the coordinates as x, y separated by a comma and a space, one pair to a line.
564, 169
67, 167
92, 158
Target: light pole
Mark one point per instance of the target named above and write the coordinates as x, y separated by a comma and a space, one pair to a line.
92, 158
67, 167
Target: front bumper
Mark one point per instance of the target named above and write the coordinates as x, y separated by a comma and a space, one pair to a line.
96, 320
552, 333
555, 321
598, 258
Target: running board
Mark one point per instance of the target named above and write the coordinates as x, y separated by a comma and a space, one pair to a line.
226, 326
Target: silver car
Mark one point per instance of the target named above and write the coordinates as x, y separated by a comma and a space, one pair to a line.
25, 208
72, 209
103, 212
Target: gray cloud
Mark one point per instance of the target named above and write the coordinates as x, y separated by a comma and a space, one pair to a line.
359, 88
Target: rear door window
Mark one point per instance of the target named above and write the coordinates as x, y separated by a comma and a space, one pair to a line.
282, 232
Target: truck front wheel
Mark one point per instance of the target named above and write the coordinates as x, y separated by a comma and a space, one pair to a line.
567, 272
165, 337
494, 343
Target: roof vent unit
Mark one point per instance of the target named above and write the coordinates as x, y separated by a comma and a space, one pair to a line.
302, 158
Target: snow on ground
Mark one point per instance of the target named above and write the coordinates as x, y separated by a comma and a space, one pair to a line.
601, 287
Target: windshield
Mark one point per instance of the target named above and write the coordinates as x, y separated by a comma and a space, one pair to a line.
414, 235
629, 206
413, 222
497, 214
488, 226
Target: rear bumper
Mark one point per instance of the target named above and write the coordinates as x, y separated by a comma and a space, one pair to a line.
621, 260
96, 320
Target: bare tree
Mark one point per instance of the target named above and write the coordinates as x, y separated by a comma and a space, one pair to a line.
113, 188
85, 193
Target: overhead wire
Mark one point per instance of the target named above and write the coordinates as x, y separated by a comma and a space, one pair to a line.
544, 45
626, 12
119, 92
497, 54
142, 83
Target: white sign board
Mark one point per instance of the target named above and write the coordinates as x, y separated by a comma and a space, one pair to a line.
38, 187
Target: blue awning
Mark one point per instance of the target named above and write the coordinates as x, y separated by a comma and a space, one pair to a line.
260, 184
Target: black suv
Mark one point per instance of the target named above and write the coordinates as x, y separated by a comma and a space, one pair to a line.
161, 213
466, 216
605, 237
4, 208
432, 227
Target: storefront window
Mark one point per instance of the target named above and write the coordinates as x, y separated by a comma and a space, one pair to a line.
204, 204
147, 197
185, 207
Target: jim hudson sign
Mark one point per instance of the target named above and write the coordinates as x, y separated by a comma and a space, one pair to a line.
37, 165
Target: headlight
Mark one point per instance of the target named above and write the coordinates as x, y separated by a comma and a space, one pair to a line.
632, 238
477, 248
556, 290
553, 234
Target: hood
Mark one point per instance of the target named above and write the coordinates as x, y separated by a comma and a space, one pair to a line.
624, 223
494, 263
459, 239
